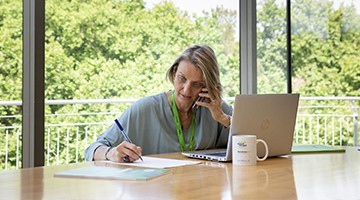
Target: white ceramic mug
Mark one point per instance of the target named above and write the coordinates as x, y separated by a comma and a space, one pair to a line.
244, 150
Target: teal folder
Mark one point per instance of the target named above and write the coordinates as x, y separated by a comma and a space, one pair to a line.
315, 148
101, 172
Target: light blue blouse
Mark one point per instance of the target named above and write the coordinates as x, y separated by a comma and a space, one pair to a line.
149, 123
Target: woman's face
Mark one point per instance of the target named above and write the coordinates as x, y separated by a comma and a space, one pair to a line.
188, 82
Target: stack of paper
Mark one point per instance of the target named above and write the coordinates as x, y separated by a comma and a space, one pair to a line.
113, 173
141, 170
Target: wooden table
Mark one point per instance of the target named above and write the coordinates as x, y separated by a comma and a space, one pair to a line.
305, 176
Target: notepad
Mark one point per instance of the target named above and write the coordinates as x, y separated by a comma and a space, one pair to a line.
315, 148
153, 162
102, 172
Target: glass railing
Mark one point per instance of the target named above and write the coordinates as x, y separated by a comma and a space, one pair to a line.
77, 123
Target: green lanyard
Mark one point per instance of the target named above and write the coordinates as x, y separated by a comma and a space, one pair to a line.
179, 129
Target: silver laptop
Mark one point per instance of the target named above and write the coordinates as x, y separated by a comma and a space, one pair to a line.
271, 117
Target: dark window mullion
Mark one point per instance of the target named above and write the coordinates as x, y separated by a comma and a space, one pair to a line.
33, 83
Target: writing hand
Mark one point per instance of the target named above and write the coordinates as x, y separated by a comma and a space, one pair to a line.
125, 152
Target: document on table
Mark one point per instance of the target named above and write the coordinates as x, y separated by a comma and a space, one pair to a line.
315, 148
152, 162
103, 172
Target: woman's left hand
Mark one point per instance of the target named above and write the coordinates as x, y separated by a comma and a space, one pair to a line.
214, 105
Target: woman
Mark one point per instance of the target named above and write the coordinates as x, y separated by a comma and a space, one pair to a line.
167, 122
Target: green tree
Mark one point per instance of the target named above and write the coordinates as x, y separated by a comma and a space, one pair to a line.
271, 48
325, 59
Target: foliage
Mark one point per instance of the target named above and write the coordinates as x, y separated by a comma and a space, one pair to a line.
271, 48
326, 55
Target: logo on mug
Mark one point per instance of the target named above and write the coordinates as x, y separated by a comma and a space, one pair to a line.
242, 144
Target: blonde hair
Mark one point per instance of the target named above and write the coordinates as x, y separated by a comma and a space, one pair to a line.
203, 57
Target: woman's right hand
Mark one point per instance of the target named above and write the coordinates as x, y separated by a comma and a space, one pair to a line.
124, 152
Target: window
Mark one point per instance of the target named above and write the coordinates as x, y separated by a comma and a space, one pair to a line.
10, 83
121, 50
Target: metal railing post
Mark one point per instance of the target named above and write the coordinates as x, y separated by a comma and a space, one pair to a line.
356, 122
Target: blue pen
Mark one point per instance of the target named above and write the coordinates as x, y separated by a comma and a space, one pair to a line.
126, 138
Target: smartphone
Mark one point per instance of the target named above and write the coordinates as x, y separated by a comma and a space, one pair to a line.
195, 106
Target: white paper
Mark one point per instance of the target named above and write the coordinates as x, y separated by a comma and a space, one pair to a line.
152, 162
103, 172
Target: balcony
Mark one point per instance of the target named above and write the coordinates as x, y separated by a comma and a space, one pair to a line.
77, 123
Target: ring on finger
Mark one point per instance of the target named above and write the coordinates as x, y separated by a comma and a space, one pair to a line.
126, 159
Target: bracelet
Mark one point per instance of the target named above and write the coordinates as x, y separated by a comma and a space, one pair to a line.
106, 153
230, 118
